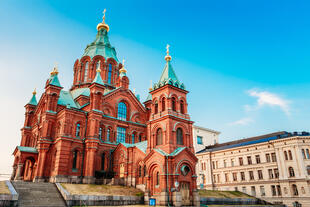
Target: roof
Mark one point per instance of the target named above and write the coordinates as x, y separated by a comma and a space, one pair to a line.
98, 78
27, 149
80, 91
149, 97
168, 76
33, 100
251, 140
140, 145
53, 80
206, 129
66, 99
101, 46
174, 153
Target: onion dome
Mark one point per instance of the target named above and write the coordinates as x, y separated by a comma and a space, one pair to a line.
53, 80
101, 45
123, 71
33, 100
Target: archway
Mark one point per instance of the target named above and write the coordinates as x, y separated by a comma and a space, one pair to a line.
29, 169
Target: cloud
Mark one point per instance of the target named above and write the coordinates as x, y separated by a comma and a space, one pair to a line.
242, 122
265, 98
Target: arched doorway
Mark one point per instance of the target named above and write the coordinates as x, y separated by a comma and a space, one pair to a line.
121, 170
185, 192
29, 169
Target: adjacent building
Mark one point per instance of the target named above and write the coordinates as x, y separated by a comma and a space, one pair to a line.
274, 167
204, 137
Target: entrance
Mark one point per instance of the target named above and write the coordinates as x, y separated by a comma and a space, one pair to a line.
184, 189
121, 170
28, 169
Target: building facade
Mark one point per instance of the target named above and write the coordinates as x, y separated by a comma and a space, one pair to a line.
100, 129
204, 137
274, 167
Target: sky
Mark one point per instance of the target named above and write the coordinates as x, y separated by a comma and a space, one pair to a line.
245, 63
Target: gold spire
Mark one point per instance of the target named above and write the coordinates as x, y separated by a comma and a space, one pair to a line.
167, 57
123, 70
55, 70
151, 85
103, 24
34, 92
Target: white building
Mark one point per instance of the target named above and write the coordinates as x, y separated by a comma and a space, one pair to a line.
204, 137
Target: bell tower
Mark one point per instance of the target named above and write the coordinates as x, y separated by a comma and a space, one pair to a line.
170, 126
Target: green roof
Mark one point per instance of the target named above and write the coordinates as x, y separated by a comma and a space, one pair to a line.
175, 152
140, 145
33, 100
98, 79
149, 97
168, 76
27, 149
53, 80
66, 99
80, 92
101, 46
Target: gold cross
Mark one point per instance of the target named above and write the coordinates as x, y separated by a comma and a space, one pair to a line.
167, 49
123, 62
103, 14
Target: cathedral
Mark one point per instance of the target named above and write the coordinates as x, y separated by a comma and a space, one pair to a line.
99, 129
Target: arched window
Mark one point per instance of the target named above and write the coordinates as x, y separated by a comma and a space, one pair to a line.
285, 155
179, 136
140, 138
144, 170
108, 134
98, 64
182, 107
86, 72
307, 153
133, 136
100, 133
78, 130
290, 155
157, 178
291, 172
159, 136
163, 104
102, 161
122, 111
295, 190
74, 159
173, 104
156, 108
110, 73
308, 169
140, 171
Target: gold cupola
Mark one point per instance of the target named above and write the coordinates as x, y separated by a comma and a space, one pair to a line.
103, 24
168, 57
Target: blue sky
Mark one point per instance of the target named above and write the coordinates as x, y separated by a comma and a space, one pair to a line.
245, 63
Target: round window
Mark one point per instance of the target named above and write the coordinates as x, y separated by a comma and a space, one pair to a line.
185, 170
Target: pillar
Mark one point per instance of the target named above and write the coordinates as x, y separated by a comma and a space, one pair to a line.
18, 175
39, 175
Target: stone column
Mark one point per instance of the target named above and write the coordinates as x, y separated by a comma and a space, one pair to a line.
13, 173
18, 175
300, 162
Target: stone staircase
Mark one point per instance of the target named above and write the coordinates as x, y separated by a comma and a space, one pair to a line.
38, 195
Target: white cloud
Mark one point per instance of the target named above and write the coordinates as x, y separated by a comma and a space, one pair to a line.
265, 98
242, 122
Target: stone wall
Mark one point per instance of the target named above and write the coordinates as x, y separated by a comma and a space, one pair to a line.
9, 199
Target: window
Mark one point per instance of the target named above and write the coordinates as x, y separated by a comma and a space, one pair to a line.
182, 107
108, 134
179, 136
249, 160
232, 163
157, 178
276, 173
291, 172
285, 155
244, 189
308, 169
163, 104
235, 176
110, 74
156, 108
199, 140
251, 174
144, 170
273, 157
308, 154
279, 190
253, 191
240, 161
121, 135
213, 165
303, 153
273, 190
295, 190
226, 177
122, 111
262, 190
260, 174
102, 161
140, 171
173, 104
74, 159
290, 155
100, 133
140, 138
86, 72
267, 157
257, 157
270, 173
77, 130
159, 136
242, 175
133, 136
225, 163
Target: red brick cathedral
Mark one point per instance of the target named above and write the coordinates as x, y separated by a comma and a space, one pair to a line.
100, 128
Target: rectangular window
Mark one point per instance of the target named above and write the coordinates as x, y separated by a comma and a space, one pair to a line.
251, 174
273, 157
273, 190
262, 190
257, 157
235, 176
253, 191
260, 174
225, 164
199, 140
240, 161
218, 178
267, 157
232, 163
279, 190
242, 175
249, 160
226, 177
121, 135
276, 173
303, 153
270, 173
244, 189
213, 164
